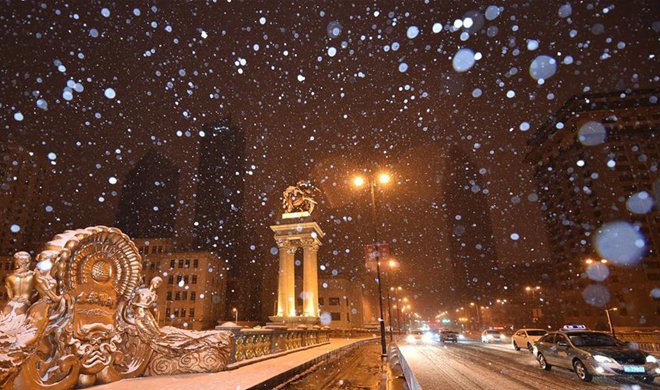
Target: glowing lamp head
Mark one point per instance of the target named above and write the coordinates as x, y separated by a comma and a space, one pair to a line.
384, 178
358, 181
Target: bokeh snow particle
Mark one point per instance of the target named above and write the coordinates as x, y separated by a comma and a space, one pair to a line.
109, 93
532, 44
334, 29
492, 12
543, 67
596, 295
325, 318
403, 67
598, 272
14, 228
592, 133
565, 10
332, 51
463, 60
620, 242
640, 203
412, 32
437, 27
18, 116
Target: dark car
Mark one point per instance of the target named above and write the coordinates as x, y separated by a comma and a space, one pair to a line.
589, 353
448, 336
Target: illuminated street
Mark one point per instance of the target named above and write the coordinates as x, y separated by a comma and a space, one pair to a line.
473, 365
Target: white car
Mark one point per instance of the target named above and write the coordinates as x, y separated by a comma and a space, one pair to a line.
525, 338
491, 336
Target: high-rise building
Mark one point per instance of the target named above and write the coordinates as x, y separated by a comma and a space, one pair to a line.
148, 203
23, 196
469, 232
596, 163
220, 215
192, 295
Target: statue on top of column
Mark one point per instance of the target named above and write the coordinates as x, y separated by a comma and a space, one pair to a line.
300, 198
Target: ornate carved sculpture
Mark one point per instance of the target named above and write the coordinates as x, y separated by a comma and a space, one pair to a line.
300, 198
80, 318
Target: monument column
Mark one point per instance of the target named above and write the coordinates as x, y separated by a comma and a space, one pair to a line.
310, 278
296, 228
286, 304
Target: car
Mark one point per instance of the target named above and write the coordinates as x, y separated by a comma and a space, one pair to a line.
420, 336
525, 338
491, 336
589, 353
448, 335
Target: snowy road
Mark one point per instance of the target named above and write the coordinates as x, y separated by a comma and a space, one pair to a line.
471, 365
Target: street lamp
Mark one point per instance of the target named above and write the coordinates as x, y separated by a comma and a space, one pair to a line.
235, 311
381, 179
609, 319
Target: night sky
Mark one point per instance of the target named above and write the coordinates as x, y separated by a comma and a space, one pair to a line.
321, 90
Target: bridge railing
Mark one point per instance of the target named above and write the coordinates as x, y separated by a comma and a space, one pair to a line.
253, 345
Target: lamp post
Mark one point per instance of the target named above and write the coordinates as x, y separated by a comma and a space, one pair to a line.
359, 181
235, 311
392, 264
609, 319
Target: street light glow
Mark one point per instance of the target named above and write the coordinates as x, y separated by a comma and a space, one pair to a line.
358, 181
384, 178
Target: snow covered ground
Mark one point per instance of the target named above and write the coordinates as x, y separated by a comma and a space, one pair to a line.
472, 365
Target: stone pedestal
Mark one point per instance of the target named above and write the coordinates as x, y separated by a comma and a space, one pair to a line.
297, 230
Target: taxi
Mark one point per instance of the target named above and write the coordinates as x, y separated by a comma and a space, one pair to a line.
589, 353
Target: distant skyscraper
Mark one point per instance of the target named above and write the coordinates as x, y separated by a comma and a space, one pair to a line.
148, 203
596, 163
470, 234
220, 216
22, 199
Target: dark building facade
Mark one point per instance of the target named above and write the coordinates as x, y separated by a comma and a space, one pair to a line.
23, 199
220, 215
469, 233
148, 203
598, 153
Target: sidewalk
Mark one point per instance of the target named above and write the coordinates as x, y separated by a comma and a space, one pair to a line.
246, 377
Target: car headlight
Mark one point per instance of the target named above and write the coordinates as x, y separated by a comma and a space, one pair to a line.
603, 359
427, 337
651, 359
410, 338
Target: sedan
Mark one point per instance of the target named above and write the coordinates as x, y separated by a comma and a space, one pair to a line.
590, 353
525, 338
491, 336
